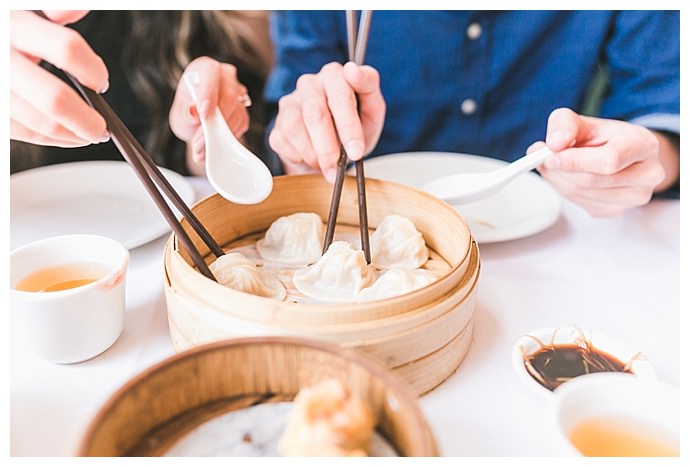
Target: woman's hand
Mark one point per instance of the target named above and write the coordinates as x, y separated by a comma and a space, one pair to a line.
44, 109
606, 166
218, 87
322, 113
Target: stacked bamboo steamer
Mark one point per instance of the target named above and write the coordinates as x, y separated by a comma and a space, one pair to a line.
421, 336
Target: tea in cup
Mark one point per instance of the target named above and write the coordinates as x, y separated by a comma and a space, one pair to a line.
69, 292
619, 415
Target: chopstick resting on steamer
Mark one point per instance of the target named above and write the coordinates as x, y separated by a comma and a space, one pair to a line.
356, 49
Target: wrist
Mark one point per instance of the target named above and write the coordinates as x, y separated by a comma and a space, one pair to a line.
669, 157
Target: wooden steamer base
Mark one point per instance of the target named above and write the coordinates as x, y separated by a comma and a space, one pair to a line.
421, 336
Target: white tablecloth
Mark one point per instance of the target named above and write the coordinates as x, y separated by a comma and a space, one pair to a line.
620, 277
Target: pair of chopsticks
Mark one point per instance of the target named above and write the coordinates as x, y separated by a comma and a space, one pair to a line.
152, 178
356, 50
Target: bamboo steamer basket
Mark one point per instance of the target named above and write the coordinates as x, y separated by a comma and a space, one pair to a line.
423, 335
156, 408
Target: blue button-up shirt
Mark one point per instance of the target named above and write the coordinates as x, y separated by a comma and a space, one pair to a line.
485, 82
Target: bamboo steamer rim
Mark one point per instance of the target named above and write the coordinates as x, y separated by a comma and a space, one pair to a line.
395, 385
177, 262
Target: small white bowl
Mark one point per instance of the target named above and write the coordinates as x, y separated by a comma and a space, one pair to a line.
571, 334
617, 414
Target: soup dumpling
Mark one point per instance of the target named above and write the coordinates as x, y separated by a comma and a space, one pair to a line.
395, 282
295, 239
338, 276
397, 243
236, 271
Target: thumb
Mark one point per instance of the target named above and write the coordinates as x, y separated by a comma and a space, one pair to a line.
564, 129
208, 89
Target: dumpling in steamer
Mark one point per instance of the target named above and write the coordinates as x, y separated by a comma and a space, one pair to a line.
236, 271
397, 243
337, 277
395, 282
296, 239
327, 419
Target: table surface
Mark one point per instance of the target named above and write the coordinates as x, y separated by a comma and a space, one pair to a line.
617, 276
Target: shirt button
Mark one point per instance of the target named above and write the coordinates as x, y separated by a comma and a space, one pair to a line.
468, 106
474, 30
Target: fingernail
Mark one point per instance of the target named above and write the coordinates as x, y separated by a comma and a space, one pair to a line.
354, 149
557, 138
532, 147
105, 87
105, 138
330, 175
552, 162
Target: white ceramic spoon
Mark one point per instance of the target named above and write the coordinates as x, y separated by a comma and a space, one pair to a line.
236, 173
466, 187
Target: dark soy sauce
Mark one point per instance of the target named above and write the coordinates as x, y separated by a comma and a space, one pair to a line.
554, 364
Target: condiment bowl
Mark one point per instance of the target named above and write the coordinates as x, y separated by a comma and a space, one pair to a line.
603, 354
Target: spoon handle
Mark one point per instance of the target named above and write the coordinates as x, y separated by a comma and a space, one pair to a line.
215, 123
525, 163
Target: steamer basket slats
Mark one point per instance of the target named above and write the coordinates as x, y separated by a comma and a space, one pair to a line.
154, 409
422, 335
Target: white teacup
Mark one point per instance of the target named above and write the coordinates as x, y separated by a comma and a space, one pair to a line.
69, 291
618, 414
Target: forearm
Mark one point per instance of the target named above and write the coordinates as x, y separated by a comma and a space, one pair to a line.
669, 156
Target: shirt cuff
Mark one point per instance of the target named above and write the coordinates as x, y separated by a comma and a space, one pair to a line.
659, 121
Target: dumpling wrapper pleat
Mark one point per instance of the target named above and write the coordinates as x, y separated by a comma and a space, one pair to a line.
338, 276
236, 271
295, 239
396, 243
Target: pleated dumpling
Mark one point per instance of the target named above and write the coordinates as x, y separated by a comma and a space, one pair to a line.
395, 282
338, 276
236, 271
397, 243
296, 239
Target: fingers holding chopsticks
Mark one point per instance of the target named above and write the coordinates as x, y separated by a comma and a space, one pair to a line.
322, 113
44, 109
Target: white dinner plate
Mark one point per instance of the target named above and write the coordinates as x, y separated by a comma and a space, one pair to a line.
94, 197
525, 207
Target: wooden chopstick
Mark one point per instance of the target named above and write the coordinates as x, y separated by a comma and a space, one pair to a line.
356, 50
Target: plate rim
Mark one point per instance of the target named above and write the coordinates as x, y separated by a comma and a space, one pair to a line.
114, 169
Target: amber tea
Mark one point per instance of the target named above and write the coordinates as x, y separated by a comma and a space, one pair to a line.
62, 276
618, 437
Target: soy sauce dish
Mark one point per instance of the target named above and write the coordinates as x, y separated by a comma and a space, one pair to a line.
548, 357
